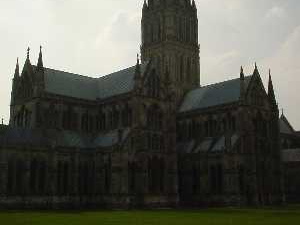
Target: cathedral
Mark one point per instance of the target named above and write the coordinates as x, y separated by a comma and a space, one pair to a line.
146, 136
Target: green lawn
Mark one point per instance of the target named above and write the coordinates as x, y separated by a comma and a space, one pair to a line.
157, 217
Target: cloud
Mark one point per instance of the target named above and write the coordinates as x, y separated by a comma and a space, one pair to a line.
286, 67
275, 12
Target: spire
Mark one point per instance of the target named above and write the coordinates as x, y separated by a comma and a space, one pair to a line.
28, 57
271, 93
242, 84
194, 4
40, 65
17, 70
27, 65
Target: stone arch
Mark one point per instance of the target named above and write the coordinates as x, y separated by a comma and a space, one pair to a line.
63, 177
16, 184
195, 179
38, 176
132, 175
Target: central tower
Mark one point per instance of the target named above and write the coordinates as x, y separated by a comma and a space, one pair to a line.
170, 40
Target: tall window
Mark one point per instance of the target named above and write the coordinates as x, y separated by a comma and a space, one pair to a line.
154, 118
132, 176
156, 171
33, 176
216, 179
85, 122
196, 179
153, 85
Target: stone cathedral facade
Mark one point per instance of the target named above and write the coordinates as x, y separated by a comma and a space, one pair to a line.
149, 135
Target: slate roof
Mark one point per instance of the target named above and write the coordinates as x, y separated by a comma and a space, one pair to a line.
290, 155
13, 136
89, 88
71, 85
207, 145
110, 138
213, 95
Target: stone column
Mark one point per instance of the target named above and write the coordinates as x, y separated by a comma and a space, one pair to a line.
60, 115
3, 172
99, 178
52, 173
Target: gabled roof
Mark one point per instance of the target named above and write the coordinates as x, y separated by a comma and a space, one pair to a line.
213, 95
89, 88
285, 126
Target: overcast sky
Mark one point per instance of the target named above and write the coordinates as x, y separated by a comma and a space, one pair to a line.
96, 37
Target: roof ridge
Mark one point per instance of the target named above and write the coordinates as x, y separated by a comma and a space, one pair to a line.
221, 82
70, 73
106, 75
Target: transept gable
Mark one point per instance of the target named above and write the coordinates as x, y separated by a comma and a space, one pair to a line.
256, 93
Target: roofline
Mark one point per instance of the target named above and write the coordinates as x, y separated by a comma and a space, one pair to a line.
218, 83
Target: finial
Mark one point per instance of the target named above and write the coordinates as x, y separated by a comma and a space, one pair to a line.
137, 58
242, 76
17, 73
145, 6
256, 70
40, 48
2, 121
28, 51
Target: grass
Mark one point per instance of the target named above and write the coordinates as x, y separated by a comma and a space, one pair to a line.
224, 216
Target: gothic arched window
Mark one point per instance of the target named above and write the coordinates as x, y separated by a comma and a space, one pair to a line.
154, 118
153, 85
181, 68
